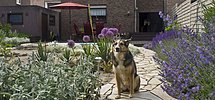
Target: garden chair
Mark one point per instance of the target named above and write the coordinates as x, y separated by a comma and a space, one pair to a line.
87, 29
99, 27
78, 33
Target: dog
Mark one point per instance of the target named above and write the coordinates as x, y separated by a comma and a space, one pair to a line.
124, 68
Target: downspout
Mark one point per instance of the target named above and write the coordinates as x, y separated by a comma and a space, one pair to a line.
135, 16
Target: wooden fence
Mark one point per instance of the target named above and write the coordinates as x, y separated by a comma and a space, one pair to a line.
188, 13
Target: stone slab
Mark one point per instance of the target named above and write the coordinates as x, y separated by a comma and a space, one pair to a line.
105, 88
154, 81
159, 92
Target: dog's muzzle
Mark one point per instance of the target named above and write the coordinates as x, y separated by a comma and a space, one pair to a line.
117, 49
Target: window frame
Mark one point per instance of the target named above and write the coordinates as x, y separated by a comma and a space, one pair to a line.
96, 6
15, 23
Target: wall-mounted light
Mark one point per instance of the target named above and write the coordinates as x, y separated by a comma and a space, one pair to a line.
128, 13
136, 8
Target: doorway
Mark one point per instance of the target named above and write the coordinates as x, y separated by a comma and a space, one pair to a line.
150, 22
45, 34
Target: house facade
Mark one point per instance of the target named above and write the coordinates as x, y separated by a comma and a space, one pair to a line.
30, 17
130, 16
42, 3
137, 17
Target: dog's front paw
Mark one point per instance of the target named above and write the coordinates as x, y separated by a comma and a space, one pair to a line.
118, 97
130, 95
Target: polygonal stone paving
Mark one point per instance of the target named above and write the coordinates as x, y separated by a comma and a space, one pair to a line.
150, 86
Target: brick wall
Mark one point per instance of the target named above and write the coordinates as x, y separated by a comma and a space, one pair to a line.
117, 13
150, 5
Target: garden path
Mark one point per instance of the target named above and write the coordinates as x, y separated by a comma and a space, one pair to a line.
150, 88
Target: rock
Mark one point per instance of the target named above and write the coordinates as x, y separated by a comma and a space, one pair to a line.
145, 96
143, 82
105, 88
150, 87
154, 81
159, 92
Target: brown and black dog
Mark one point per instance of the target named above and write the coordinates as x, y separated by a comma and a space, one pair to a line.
124, 68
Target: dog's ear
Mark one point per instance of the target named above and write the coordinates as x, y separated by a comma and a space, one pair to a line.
127, 41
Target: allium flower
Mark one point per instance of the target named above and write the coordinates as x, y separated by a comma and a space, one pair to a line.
100, 36
109, 34
104, 31
114, 30
86, 38
70, 43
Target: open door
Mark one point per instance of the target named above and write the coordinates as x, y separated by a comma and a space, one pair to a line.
150, 22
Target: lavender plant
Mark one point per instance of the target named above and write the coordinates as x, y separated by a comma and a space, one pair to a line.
187, 59
168, 22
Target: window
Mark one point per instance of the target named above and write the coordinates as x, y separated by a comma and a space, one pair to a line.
193, 1
15, 18
51, 20
18, 2
98, 13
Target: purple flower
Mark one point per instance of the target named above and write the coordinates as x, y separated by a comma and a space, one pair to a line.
86, 38
70, 43
167, 18
109, 34
104, 31
213, 94
187, 96
114, 30
161, 14
100, 36
199, 49
196, 89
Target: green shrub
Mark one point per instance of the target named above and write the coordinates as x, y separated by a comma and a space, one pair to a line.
48, 80
41, 54
209, 12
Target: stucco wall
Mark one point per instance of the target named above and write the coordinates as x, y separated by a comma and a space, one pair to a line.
7, 2
29, 26
32, 21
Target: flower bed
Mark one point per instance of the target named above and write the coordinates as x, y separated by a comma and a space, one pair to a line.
65, 71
